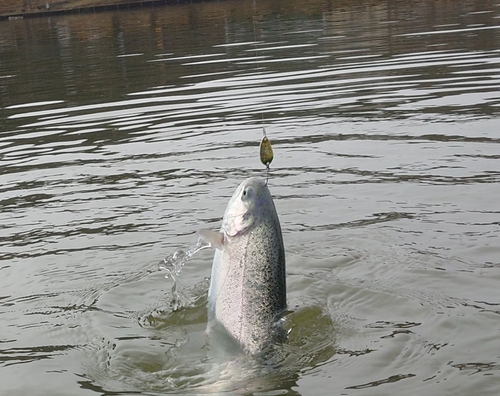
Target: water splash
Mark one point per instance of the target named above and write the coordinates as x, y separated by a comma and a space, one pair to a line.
173, 264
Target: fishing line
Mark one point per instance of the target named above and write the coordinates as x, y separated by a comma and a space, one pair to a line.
259, 72
265, 148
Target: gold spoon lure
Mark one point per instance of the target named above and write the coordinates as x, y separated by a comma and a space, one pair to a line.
266, 152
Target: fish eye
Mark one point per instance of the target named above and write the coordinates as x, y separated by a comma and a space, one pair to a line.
247, 192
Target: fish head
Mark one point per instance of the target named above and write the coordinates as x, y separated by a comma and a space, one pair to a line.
245, 207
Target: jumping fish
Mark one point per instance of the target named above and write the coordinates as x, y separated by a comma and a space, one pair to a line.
248, 284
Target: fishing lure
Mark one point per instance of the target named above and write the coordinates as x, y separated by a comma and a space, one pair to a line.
266, 152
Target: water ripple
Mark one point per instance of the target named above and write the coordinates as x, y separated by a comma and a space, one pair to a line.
128, 133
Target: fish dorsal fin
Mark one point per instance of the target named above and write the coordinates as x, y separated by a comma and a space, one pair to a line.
216, 239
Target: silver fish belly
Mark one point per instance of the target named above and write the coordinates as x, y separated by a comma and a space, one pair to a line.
248, 285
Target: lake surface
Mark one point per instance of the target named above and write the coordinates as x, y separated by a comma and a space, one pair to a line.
123, 133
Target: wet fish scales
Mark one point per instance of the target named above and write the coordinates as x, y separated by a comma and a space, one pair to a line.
248, 286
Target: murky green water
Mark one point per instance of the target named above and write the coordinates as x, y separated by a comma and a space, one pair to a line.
121, 134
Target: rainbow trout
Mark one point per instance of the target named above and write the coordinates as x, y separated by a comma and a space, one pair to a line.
248, 284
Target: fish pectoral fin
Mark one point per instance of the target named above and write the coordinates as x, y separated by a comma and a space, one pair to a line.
216, 239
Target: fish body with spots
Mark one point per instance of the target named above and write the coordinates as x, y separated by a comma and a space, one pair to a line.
248, 285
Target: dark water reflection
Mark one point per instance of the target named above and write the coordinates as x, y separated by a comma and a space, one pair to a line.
122, 133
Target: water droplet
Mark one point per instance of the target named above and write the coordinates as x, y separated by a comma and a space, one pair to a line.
173, 264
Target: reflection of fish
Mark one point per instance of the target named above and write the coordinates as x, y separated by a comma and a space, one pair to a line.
248, 287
